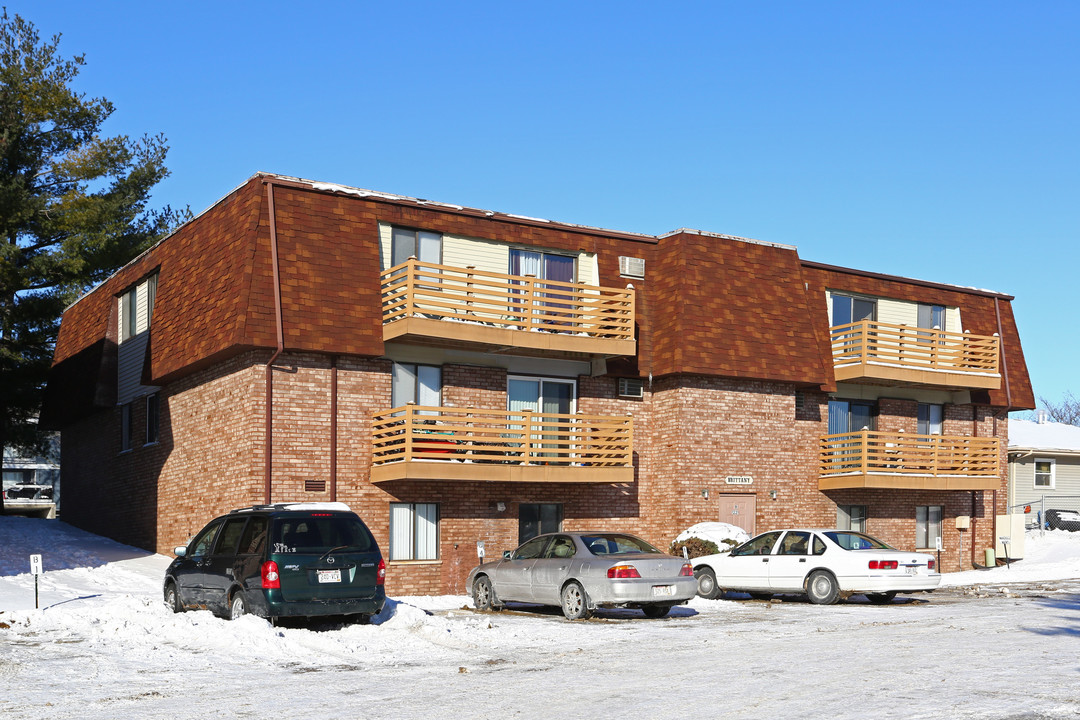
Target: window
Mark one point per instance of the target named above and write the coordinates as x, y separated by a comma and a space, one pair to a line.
423, 245
420, 384
125, 427
229, 538
1044, 473
136, 307
546, 266
849, 309
851, 517
932, 317
929, 419
927, 526
152, 418
851, 416
414, 531
129, 311
538, 518
203, 542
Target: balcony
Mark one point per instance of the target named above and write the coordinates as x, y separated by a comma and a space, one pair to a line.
897, 461
884, 354
424, 303
442, 443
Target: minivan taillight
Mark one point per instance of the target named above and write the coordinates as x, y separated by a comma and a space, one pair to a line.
270, 578
380, 576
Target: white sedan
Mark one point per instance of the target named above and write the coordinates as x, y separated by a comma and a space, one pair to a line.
826, 565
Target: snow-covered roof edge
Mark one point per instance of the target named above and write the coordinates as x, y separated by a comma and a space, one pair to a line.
1046, 437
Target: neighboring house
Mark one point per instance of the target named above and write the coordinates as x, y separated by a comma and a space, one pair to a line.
459, 375
1044, 466
21, 475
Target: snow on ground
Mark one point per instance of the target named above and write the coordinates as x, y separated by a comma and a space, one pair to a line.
994, 644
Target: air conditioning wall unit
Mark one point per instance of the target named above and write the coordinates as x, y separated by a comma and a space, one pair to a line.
632, 267
631, 387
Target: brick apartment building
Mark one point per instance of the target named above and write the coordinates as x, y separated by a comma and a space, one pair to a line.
458, 375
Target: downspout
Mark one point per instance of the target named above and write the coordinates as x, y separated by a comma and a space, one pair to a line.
333, 427
269, 403
1008, 404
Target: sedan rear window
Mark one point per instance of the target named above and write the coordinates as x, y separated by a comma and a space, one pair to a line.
856, 541
317, 534
612, 544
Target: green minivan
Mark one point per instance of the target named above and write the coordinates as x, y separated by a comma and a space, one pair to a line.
283, 560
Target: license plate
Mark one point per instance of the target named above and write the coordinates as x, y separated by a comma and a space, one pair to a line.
663, 590
329, 576
911, 570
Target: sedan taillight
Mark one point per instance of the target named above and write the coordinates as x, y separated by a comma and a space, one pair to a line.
687, 570
884, 564
930, 565
270, 578
623, 571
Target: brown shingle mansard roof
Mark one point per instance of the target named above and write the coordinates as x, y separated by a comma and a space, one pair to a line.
711, 304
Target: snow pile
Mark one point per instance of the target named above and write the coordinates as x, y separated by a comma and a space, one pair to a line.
1050, 555
717, 532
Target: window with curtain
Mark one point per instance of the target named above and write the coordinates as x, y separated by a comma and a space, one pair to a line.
851, 517
930, 419
414, 531
927, 525
414, 383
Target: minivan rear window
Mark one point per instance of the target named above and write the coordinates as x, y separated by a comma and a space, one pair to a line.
319, 534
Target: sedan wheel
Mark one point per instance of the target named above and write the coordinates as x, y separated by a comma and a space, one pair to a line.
822, 589
483, 594
574, 604
237, 608
706, 583
881, 598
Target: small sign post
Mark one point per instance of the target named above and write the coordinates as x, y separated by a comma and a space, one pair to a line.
1004, 540
35, 570
480, 550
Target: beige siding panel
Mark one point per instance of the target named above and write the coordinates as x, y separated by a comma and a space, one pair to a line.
132, 354
142, 307
952, 320
485, 255
384, 245
897, 312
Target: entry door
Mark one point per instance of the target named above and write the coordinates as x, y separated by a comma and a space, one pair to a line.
738, 510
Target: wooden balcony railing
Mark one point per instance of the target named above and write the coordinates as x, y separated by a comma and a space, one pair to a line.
461, 303
473, 444
875, 350
901, 461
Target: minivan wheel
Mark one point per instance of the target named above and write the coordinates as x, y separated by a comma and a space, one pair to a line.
172, 598
237, 608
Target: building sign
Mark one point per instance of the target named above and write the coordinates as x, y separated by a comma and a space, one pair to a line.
739, 480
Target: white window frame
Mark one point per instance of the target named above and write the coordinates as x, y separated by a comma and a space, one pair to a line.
411, 540
924, 537
1053, 474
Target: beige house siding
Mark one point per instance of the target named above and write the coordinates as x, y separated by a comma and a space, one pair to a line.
1066, 480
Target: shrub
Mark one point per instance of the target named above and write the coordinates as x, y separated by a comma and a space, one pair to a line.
695, 547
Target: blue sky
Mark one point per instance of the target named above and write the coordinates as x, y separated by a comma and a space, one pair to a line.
930, 140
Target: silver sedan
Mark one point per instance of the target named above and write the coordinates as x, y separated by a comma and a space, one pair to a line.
583, 571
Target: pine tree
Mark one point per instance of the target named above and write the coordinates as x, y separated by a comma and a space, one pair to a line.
73, 209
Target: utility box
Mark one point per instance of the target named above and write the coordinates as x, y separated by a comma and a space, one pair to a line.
1011, 527
963, 522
